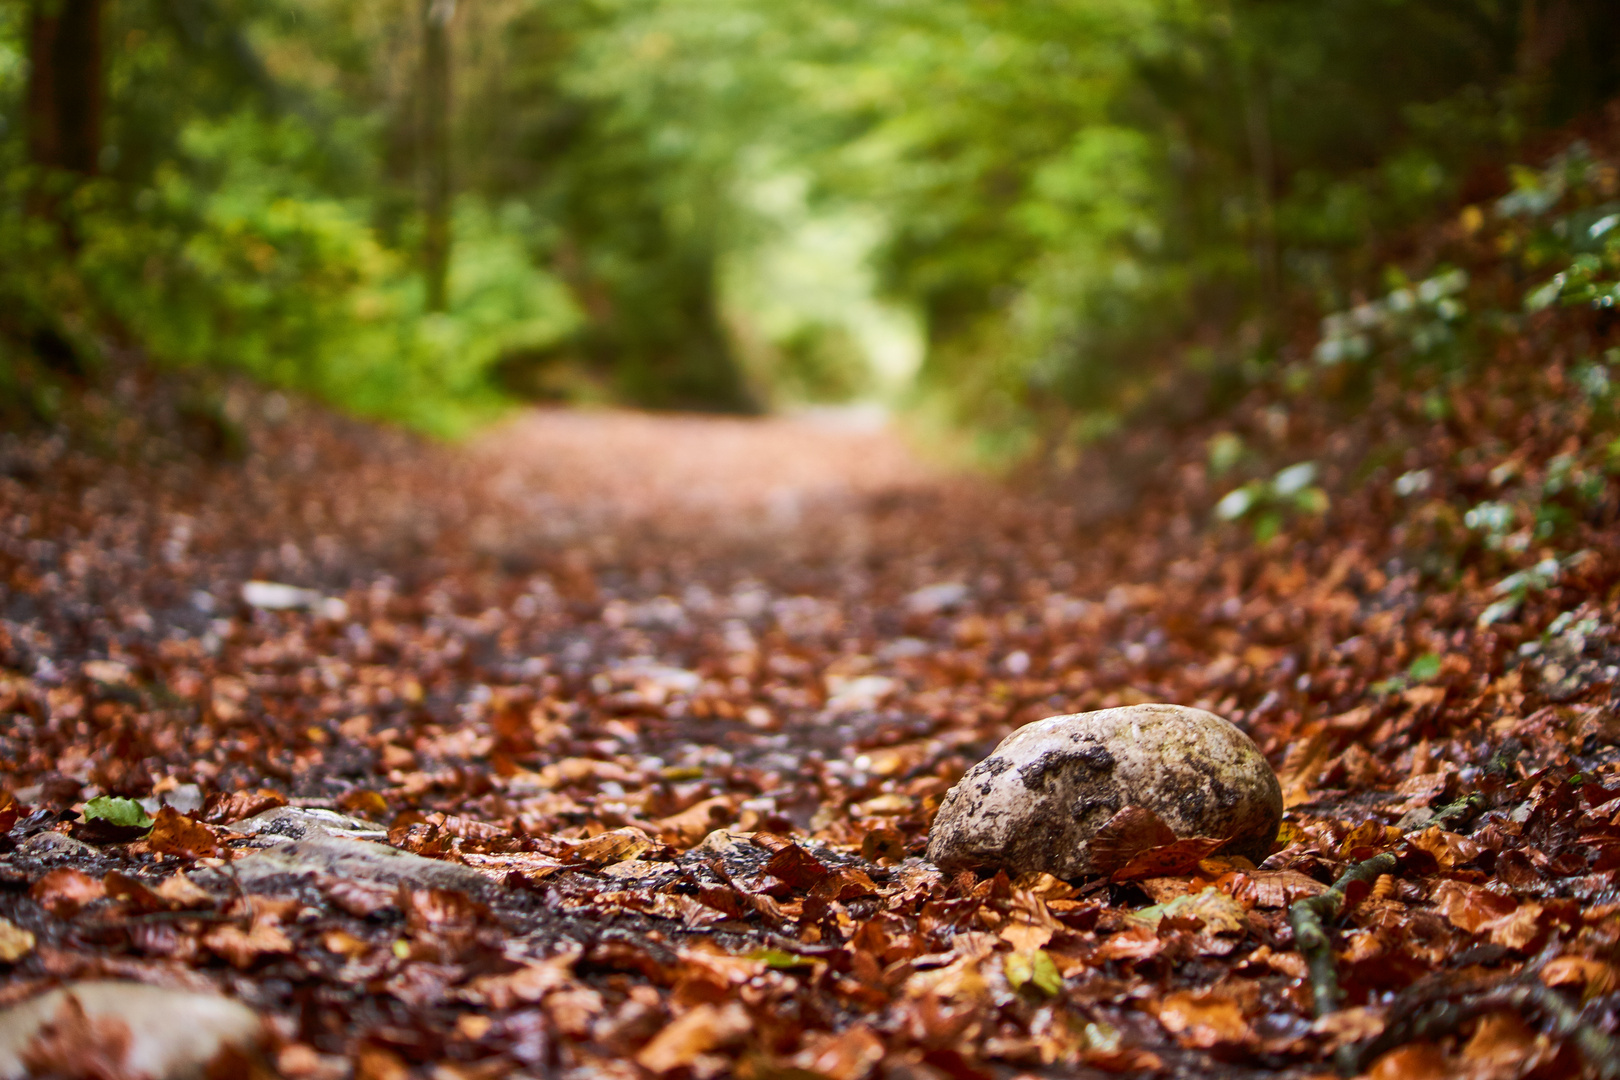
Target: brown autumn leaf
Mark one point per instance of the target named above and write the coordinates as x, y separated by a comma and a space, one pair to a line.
1415, 1061
65, 890
1203, 1018
1501, 1043
1593, 977
850, 1054
175, 834
1274, 888
697, 821
1470, 907
883, 843
373, 1062
1134, 829
796, 866
8, 812
244, 948
1448, 849
1168, 860
528, 984
222, 808
1302, 766
179, 891
614, 846
15, 942
698, 1031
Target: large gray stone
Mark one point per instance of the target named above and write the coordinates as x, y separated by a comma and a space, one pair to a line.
172, 1034
1036, 802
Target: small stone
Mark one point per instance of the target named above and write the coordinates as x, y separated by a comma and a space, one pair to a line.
281, 824
328, 858
1036, 802
55, 845
146, 1031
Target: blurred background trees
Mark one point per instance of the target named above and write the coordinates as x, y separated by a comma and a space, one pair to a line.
1019, 218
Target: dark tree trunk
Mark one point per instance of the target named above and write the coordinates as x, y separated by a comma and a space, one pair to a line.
65, 84
435, 98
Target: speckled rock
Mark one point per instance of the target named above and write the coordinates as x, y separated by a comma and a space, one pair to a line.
1035, 803
165, 1034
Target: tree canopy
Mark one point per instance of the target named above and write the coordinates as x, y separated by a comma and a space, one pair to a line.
736, 204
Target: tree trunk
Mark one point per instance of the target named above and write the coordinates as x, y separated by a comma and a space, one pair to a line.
436, 18
65, 95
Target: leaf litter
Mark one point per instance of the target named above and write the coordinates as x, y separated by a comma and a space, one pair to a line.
608, 745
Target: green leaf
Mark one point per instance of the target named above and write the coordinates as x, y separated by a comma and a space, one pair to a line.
1424, 668
1034, 968
780, 959
126, 813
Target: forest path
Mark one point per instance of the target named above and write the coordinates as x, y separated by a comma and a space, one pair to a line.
676, 473
568, 662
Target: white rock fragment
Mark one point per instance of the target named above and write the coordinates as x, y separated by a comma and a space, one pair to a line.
275, 596
1035, 803
866, 692
173, 1034
932, 599
284, 824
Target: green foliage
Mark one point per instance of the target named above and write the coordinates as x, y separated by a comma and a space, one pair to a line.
1035, 969
1267, 502
1052, 194
126, 813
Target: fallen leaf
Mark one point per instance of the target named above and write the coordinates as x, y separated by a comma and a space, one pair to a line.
1415, 1061
1448, 849
65, 890
1594, 977
1203, 1018
1215, 911
15, 942
1471, 908
123, 813
243, 948
1501, 1039
1168, 860
1275, 888
222, 808
697, 821
175, 834
181, 892
613, 847
851, 1054
1129, 832
1033, 968
700, 1030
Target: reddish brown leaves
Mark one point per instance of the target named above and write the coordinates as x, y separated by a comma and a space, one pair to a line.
65, 890
1136, 843
693, 1035
222, 808
175, 834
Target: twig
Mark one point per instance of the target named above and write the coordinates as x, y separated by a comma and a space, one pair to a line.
1310, 919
